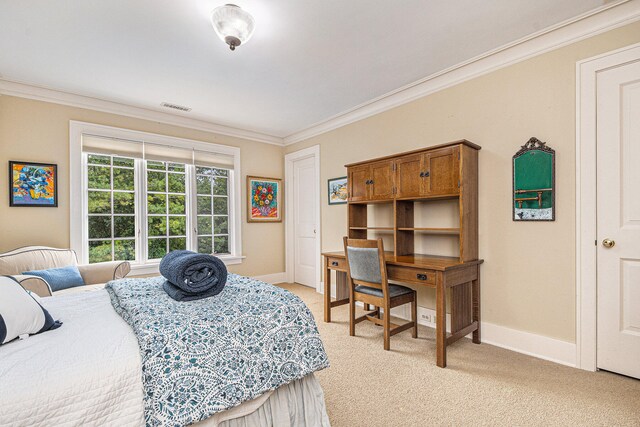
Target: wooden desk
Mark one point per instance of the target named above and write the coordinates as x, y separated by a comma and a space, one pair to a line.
441, 273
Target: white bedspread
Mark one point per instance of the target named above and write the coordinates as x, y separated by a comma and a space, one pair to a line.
86, 372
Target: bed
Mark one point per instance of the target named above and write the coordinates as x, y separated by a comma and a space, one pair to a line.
97, 370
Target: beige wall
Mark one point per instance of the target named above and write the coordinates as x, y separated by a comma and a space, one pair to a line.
39, 131
528, 278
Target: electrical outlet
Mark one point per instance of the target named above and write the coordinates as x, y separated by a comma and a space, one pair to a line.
426, 318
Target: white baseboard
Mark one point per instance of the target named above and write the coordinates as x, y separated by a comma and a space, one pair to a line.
539, 346
273, 278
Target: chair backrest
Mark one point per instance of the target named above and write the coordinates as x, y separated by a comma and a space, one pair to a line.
365, 264
31, 258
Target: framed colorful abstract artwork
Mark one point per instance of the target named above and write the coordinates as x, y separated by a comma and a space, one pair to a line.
337, 190
265, 199
33, 184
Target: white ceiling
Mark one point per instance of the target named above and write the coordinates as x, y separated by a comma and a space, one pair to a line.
308, 60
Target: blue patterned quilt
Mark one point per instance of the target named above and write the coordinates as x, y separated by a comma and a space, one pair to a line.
205, 356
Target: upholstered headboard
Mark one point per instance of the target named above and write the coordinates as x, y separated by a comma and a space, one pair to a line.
31, 258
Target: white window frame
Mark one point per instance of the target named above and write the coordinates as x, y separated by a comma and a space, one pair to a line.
78, 190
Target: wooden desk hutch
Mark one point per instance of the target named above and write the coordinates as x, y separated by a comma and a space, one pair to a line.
442, 172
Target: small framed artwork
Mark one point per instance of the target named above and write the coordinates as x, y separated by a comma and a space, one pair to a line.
265, 199
33, 184
337, 190
534, 182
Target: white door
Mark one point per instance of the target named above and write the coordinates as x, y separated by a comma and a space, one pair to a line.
618, 223
305, 206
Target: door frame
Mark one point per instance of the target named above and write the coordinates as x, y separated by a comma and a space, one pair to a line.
289, 159
586, 203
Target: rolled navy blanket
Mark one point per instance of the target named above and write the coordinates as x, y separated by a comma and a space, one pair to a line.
191, 276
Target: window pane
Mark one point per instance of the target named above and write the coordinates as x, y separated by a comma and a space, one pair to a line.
177, 205
204, 245
157, 226
220, 205
220, 187
221, 225
177, 225
99, 177
124, 226
176, 183
99, 160
123, 179
123, 203
204, 184
211, 171
100, 251
121, 161
156, 204
204, 205
203, 171
124, 250
99, 202
204, 225
155, 165
156, 181
177, 167
221, 244
177, 243
99, 227
157, 248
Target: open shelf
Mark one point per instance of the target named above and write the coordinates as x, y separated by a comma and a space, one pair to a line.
372, 228
432, 230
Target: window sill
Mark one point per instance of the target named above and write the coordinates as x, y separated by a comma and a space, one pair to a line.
139, 269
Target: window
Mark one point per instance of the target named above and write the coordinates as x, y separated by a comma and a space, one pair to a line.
110, 208
212, 186
136, 200
166, 208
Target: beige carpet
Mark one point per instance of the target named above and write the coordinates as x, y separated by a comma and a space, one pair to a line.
482, 385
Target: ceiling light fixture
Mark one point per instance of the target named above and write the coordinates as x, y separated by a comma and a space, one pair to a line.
233, 25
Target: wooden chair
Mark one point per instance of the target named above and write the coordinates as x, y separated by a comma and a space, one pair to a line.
367, 277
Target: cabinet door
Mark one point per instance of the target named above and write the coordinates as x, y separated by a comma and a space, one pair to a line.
382, 180
444, 171
359, 177
409, 183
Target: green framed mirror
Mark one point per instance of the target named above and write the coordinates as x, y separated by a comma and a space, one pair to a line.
534, 182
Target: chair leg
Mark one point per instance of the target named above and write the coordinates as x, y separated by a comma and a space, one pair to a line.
352, 317
414, 315
387, 328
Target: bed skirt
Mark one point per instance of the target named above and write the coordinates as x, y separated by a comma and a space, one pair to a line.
299, 403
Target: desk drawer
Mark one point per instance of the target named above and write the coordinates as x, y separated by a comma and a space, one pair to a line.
411, 275
337, 263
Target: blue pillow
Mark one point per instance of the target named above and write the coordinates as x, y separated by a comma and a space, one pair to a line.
60, 278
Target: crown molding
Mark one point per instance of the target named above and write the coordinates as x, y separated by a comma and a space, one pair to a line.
39, 93
602, 19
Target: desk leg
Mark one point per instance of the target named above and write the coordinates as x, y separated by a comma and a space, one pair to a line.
327, 291
475, 298
441, 321
461, 304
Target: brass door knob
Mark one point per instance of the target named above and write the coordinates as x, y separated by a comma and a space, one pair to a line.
608, 243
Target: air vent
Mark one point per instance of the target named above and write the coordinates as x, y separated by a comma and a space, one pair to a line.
175, 106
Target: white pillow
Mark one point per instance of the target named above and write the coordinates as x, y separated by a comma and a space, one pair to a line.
20, 313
